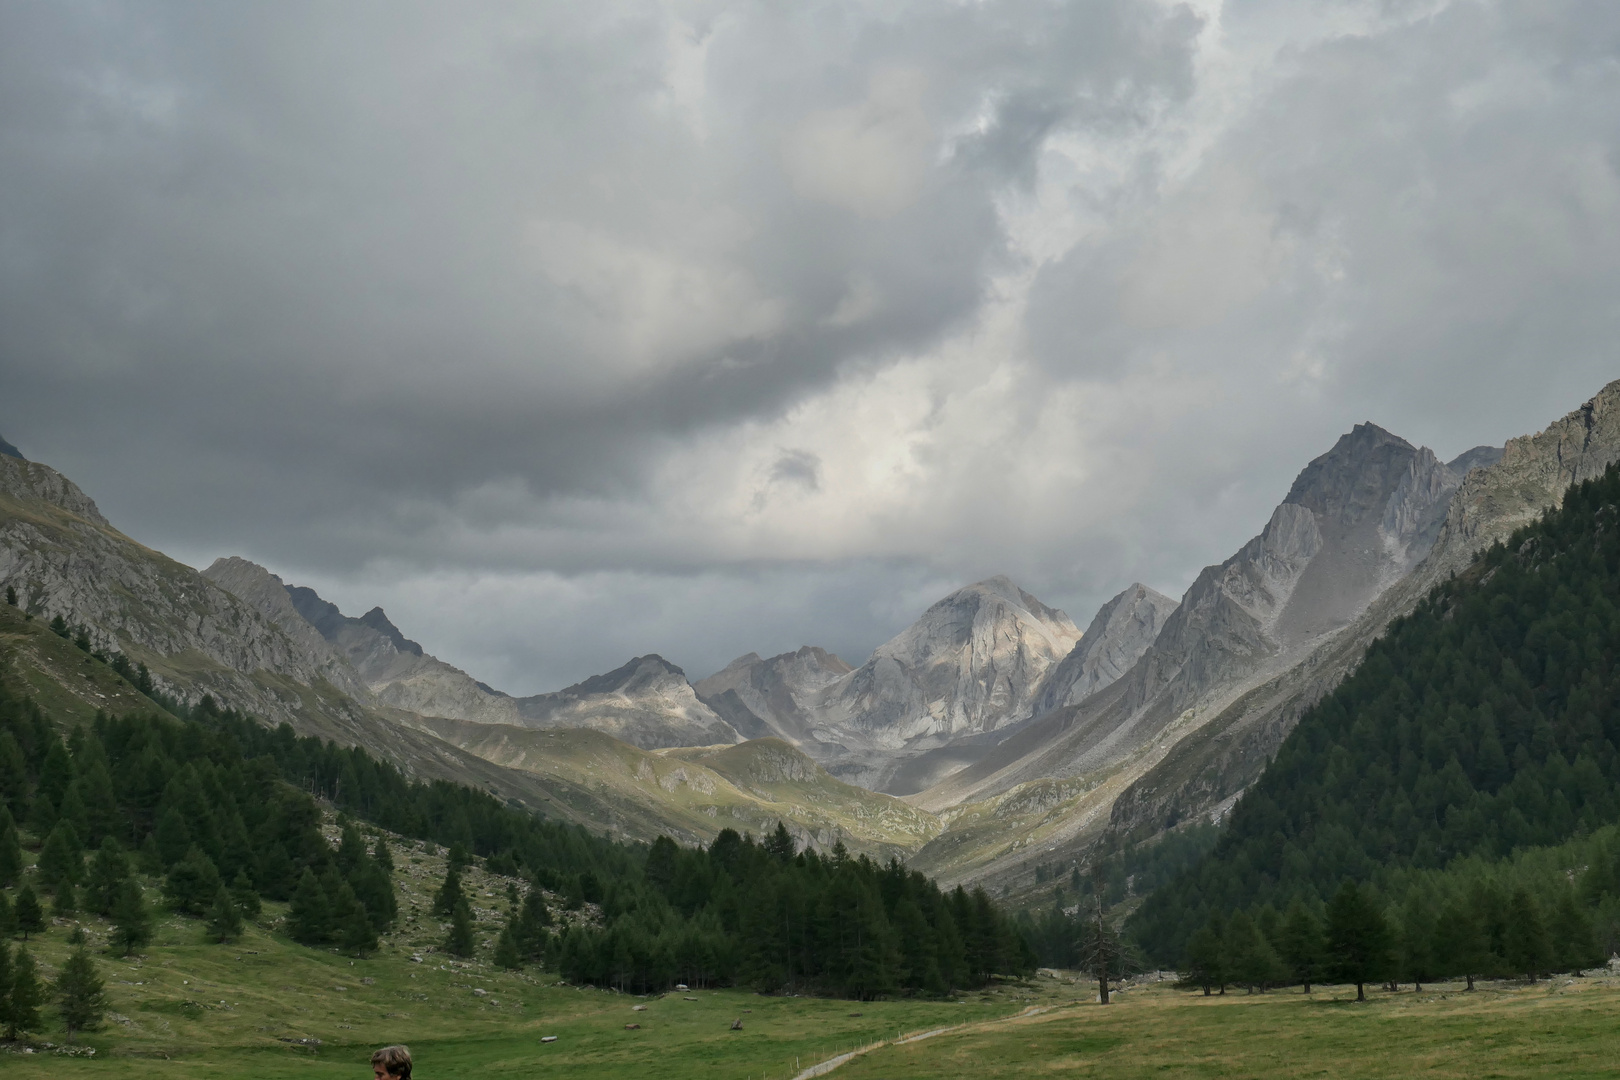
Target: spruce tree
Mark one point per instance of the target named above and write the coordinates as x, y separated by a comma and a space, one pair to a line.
376, 892
459, 942
224, 920
173, 836
1206, 957
356, 934
309, 917
27, 995
132, 923
60, 860
71, 811
108, 869
1417, 937
351, 850
56, 773
8, 918
1525, 941
192, 883
382, 856
80, 994
11, 595
245, 896
532, 924
11, 860
13, 778
1252, 961
1301, 944
1570, 932
779, 844
102, 815
6, 972
66, 902
449, 894
1358, 938
507, 953
30, 916
459, 858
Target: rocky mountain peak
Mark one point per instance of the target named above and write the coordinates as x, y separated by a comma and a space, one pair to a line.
10, 451
1356, 477
1480, 457
1119, 634
640, 673
26, 479
379, 622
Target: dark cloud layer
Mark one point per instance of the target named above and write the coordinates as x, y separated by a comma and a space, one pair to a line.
571, 331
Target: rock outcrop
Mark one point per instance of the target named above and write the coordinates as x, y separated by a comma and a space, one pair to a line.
386, 666
1354, 522
762, 698
1119, 634
64, 558
646, 703
1202, 773
968, 667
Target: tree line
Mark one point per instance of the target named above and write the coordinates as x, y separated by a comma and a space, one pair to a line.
223, 813
766, 914
1483, 724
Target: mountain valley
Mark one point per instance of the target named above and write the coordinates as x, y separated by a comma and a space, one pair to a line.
990, 738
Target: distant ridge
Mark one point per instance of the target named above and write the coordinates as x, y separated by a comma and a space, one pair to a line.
9, 450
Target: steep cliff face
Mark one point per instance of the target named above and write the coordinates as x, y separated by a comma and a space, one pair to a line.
64, 558
1353, 523
1119, 634
646, 703
761, 698
969, 665
1500, 490
386, 666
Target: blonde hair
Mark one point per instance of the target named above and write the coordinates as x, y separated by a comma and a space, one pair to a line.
396, 1060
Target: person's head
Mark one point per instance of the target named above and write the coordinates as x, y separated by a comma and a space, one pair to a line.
391, 1063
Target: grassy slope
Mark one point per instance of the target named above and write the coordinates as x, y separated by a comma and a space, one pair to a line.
695, 792
68, 684
188, 1008
1566, 1029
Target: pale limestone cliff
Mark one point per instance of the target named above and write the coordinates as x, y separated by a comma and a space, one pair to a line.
646, 703
1204, 771
1119, 634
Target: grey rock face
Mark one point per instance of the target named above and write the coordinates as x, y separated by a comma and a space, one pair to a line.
761, 698
1118, 635
63, 558
376, 661
647, 703
970, 664
1354, 522
1500, 490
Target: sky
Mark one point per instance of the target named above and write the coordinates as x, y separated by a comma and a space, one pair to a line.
572, 332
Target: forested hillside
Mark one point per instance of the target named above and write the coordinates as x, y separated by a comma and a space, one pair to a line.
209, 813
1477, 736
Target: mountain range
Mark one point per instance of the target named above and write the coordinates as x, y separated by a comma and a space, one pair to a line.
987, 741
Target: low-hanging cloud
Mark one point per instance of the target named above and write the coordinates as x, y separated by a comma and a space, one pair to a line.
568, 332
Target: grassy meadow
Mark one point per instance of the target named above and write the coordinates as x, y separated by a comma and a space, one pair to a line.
187, 1007
1567, 1028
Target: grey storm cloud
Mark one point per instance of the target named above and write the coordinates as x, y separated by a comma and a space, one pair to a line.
573, 331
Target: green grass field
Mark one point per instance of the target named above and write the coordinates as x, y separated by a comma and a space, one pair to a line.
200, 1010
189, 1008
192, 1009
1564, 1028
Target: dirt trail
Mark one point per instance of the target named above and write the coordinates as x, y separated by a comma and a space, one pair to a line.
824, 1067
